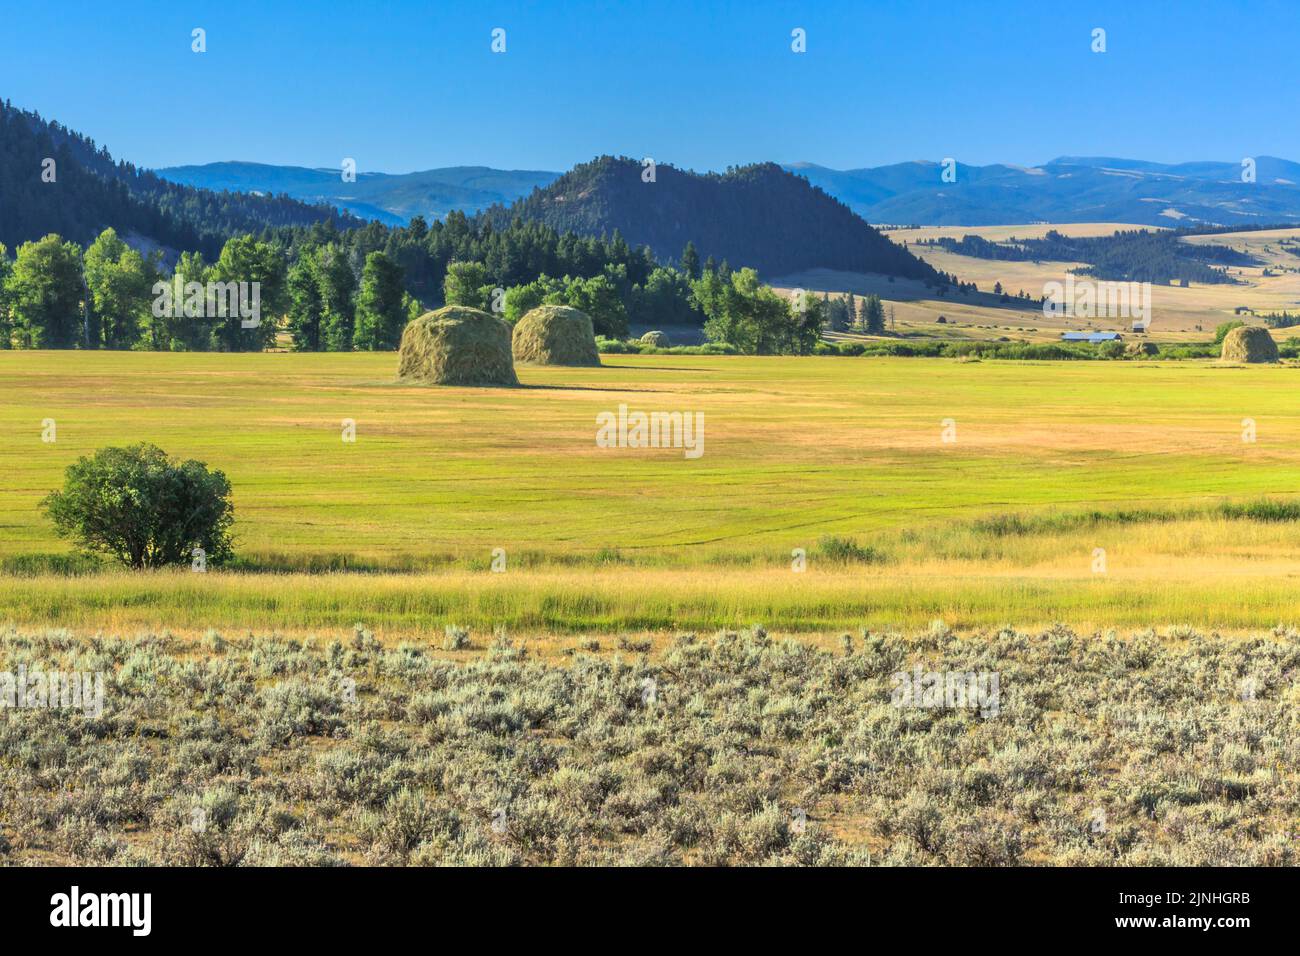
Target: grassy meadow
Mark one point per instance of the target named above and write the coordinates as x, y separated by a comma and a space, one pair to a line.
1050, 461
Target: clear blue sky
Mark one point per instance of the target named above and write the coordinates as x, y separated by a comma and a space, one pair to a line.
406, 86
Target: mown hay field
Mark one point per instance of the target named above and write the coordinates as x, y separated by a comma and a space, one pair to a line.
1048, 463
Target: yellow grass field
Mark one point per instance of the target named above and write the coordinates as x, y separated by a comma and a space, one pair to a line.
1178, 314
1049, 462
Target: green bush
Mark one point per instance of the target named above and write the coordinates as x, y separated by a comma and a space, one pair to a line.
1262, 510
143, 508
846, 551
1221, 332
608, 346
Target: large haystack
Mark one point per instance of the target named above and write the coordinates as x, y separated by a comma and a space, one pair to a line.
657, 339
555, 335
456, 345
1249, 343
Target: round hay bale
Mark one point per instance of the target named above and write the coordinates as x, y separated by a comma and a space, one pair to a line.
1249, 343
657, 339
1141, 349
555, 335
456, 345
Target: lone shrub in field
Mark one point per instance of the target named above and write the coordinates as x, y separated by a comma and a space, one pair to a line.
555, 335
143, 508
1249, 343
658, 339
846, 551
456, 345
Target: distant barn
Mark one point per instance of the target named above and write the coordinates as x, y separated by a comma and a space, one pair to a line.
1093, 337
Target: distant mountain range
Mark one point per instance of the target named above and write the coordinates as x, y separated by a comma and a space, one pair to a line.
389, 198
776, 219
1068, 189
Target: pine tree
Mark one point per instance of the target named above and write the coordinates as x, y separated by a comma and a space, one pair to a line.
305, 305
875, 315
6, 327
381, 309
337, 286
690, 261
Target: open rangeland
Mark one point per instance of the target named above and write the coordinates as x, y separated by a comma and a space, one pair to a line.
1107, 494
1043, 748
1178, 314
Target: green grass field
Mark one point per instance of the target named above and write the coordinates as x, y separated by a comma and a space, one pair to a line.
1050, 461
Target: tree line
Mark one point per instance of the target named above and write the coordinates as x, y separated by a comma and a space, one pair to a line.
54, 296
330, 290
1133, 255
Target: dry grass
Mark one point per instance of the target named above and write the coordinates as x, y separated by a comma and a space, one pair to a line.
731, 749
1178, 314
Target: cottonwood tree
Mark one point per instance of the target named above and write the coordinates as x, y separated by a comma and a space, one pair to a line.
45, 294
192, 330
664, 299
120, 281
466, 283
743, 312
248, 259
522, 299
144, 508
599, 298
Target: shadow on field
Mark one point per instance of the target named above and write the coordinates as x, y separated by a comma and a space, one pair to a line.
653, 368
592, 388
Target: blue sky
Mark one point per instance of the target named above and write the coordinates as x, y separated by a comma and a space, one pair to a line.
406, 86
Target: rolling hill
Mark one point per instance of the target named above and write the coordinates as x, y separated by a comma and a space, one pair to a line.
90, 191
390, 198
759, 216
1068, 189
